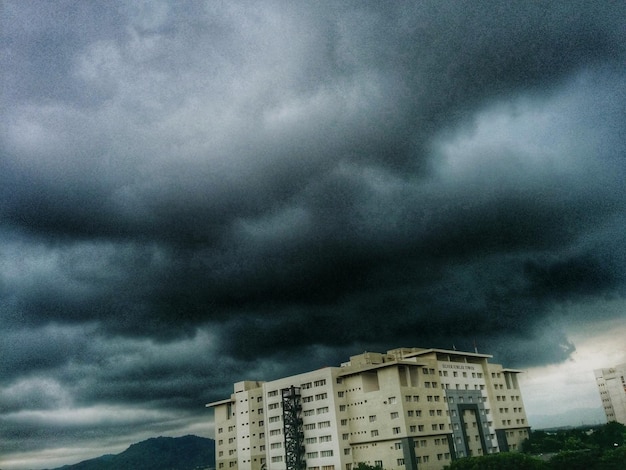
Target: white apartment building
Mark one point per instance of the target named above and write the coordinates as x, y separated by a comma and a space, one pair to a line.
612, 387
407, 409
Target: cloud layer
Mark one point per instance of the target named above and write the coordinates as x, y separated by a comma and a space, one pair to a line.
194, 194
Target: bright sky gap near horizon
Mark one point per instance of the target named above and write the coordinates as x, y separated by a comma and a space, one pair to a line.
194, 193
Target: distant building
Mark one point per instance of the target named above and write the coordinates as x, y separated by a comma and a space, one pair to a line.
408, 409
612, 386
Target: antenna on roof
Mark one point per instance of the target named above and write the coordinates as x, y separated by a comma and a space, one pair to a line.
475, 348
453, 347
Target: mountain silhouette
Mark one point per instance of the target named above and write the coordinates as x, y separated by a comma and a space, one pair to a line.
157, 453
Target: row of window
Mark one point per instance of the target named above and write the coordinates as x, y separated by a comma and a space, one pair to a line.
313, 440
319, 396
506, 410
320, 425
475, 375
503, 397
322, 453
317, 383
506, 422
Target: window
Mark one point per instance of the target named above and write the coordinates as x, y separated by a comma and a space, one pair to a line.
420, 427
345, 436
396, 430
344, 422
310, 440
276, 445
374, 432
319, 383
400, 461
326, 453
308, 427
275, 432
391, 400
277, 458
322, 410
340, 394
412, 428
321, 396
273, 393
397, 445
409, 413
308, 412
274, 419
311, 455
394, 415
372, 418
323, 424
325, 438
273, 406
306, 385
342, 407
307, 399
378, 463
346, 451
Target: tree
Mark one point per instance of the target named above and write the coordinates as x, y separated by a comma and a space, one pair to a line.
575, 460
611, 435
364, 466
508, 460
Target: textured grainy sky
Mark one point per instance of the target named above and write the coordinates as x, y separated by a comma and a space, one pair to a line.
196, 193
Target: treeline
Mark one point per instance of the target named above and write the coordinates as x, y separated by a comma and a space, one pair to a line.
597, 448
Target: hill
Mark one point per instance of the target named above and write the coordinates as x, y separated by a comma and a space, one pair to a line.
157, 453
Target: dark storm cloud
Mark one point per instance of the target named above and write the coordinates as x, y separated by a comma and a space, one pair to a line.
193, 195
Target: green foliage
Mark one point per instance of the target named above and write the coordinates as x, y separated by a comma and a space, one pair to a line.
610, 435
364, 466
598, 448
574, 460
614, 459
510, 461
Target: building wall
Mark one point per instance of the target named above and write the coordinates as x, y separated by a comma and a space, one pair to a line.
408, 409
612, 387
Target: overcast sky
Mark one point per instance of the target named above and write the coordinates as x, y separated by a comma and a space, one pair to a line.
197, 193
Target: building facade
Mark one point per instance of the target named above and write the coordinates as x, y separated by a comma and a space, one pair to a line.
407, 409
612, 386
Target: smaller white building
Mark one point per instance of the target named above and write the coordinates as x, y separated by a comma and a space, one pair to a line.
612, 386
